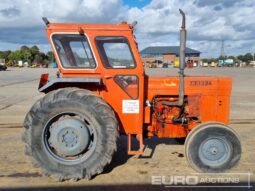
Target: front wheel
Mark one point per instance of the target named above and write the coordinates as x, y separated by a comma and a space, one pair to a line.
212, 147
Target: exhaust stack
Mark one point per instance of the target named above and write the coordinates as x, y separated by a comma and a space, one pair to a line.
182, 63
182, 57
182, 43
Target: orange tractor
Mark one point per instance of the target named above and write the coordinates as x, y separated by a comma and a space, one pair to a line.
102, 92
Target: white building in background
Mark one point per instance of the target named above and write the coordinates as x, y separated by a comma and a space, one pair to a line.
20, 63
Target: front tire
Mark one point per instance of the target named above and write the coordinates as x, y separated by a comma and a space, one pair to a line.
71, 134
212, 147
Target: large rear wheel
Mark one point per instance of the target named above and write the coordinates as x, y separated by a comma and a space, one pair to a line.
71, 134
212, 147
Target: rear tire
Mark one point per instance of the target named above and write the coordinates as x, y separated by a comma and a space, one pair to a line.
212, 147
71, 134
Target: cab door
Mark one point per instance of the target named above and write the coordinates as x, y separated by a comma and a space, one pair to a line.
123, 76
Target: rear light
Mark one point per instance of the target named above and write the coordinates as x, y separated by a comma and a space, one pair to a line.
43, 80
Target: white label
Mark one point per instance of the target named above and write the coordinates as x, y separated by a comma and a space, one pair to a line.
130, 106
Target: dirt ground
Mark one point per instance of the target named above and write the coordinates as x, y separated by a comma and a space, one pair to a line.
18, 91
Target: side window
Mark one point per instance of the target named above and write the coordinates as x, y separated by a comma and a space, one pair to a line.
115, 52
129, 83
73, 51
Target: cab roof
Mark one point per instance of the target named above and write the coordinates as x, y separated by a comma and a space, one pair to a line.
76, 26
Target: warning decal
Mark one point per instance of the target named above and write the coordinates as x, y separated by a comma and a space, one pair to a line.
130, 106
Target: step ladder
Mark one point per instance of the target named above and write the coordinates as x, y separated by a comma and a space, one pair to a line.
139, 137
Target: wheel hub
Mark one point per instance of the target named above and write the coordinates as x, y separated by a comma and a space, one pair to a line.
214, 151
69, 136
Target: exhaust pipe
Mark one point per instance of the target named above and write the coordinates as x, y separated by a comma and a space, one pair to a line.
182, 43
183, 33
182, 63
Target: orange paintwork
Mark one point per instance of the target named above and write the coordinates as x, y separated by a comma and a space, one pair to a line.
210, 95
213, 93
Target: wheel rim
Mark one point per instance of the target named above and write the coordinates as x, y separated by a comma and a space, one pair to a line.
215, 151
69, 138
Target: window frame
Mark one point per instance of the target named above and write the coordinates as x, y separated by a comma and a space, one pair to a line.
90, 48
130, 49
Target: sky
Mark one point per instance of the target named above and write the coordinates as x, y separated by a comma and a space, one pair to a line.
208, 22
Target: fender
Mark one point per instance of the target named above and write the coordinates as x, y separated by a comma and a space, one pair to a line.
45, 86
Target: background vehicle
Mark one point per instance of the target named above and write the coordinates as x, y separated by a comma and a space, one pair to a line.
176, 64
227, 62
3, 67
165, 65
213, 64
152, 65
102, 92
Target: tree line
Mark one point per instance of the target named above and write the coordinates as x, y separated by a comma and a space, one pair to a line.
247, 58
31, 55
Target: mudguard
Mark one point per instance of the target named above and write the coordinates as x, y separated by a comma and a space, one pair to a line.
56, 83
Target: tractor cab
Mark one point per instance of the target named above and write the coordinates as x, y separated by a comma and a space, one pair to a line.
104, 59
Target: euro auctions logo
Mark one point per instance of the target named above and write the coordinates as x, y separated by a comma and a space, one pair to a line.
174, 180
230, 180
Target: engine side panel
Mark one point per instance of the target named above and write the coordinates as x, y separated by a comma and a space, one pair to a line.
206, 99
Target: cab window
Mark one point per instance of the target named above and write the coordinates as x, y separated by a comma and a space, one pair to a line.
115, 52
129, 83
73, 51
